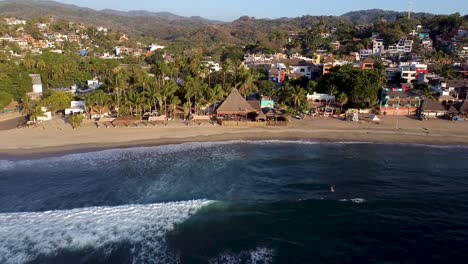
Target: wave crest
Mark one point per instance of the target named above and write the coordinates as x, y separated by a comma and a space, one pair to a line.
26, 236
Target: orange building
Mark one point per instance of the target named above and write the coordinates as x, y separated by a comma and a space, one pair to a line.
328, 63
367, 64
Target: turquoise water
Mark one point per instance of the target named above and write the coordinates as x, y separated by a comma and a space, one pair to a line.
238, 202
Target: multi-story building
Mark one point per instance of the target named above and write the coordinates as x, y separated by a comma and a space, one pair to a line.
377, 47
411, 71
400, 101
403, 46
301, 67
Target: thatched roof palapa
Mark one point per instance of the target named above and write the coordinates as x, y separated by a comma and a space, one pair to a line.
368, 60
261, 116
432, 105
255, 105
235, 104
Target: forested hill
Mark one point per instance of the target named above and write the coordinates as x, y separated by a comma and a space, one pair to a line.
166, 27
161, 25
376, 15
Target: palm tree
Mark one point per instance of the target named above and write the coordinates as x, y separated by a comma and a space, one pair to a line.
248, 86
167, 91
27, 106
143, 79
160, 69
194, 88
36, 113
41, 65
332, 91
187, 109
29, 62
427, 92
134, 101
298, 96
189, 92
214, 95
101, 100
225, 69
152, 91
174, 102
120, 83
343, 99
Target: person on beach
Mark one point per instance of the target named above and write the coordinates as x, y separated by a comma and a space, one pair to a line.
332, 188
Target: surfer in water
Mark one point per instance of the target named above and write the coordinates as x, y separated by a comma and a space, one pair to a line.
332, 188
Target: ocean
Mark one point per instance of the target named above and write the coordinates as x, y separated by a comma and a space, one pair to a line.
238, 202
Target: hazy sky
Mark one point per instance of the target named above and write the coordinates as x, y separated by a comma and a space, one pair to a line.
228, 10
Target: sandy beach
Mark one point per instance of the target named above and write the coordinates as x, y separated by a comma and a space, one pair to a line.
56, 137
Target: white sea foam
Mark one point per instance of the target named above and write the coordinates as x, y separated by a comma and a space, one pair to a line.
137, 153
110, 155
260, 255
26, 236
6, 165
354, 200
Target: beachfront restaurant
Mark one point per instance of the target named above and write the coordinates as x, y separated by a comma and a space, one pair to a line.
432, 109
400, 101
236, 108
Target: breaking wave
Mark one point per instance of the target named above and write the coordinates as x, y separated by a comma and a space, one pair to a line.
260, 255
25, 237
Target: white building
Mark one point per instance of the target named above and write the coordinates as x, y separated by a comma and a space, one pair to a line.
403, 46
76, 107
94, 84
302, 67
318, 97
37, 83
154, 47
22, 44
102, 29
14, 21
213, 66
377, 47
409, 70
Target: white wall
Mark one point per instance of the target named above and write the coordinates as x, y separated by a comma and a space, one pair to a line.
37, 88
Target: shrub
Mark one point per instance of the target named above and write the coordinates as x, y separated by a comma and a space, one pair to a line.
76, 120
5, 99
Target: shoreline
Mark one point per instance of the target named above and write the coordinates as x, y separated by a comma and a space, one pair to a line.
250, 134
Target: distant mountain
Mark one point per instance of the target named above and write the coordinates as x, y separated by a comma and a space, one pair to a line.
170, 27
376, 15
163, 15
162, 25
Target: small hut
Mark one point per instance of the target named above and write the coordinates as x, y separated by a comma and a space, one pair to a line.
432, 109
236, 107
261, 117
